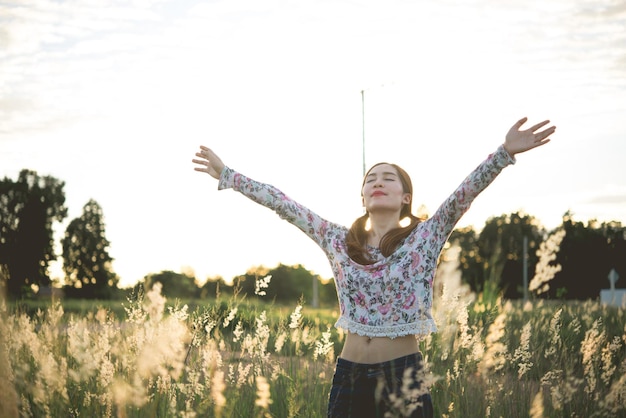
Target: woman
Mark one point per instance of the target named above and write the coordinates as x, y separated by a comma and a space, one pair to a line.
383, 274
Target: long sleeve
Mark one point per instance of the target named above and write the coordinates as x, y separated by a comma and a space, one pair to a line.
453, 208
317, 228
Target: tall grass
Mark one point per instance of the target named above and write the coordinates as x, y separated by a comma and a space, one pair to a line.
232, 358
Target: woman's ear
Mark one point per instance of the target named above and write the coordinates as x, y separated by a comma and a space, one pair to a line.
406, 199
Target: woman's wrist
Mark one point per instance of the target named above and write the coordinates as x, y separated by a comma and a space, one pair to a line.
508, 151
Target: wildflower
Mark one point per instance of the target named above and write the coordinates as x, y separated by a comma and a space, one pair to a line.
123, 393
324, 346
592, 341
552, 379
608, 353
231, 373
180, 314
243, 372
462, 319
536, 410
544, 271
156, 302
135, 313
164, 351
408, 399
478, 348
575, 325
280, 341
522, 354
8, 395
212, 358
194, 386
495, 355
217, 391
264, 398
209, 325
230, 317
295, 317
261, 336
262, 283
555, 337
238, 332
614, 400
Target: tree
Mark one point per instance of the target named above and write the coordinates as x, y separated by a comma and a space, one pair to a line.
87, 263
501, 248
174, 285
215, 286
470, 263
28, 209
287, 284
587, 254
496, 253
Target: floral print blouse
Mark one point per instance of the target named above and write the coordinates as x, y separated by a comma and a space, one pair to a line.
393, 296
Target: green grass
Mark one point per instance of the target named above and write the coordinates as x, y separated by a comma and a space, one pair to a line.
157, 358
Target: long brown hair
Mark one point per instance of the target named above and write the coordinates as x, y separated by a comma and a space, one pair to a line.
356, 240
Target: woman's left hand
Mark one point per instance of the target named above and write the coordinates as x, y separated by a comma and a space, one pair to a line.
518, 141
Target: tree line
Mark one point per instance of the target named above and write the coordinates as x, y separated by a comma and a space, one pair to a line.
504, 253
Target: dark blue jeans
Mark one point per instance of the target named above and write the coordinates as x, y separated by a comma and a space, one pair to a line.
372, 390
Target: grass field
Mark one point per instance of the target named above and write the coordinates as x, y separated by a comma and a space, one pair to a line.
149, 357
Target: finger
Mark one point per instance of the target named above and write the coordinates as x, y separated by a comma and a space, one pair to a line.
545, 133
207, 155
520, 122
539, 125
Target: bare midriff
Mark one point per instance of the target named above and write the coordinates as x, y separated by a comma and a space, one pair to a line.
370, 350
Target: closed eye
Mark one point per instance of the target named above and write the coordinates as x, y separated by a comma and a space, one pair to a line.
386, 176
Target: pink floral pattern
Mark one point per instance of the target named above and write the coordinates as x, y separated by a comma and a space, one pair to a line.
392, 297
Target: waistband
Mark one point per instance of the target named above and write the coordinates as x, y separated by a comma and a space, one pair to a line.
411, 360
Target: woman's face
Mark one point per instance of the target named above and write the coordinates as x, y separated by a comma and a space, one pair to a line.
382, 190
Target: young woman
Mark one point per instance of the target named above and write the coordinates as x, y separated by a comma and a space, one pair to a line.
383, 273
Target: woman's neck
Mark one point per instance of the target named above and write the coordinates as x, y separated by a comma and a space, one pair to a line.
380, 224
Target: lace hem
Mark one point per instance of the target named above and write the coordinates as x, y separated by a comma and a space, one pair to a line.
421, 327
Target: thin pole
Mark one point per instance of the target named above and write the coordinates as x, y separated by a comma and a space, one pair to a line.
363, 127
525, 268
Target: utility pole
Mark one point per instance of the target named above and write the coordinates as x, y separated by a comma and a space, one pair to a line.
316, 292
525, 268
363, 127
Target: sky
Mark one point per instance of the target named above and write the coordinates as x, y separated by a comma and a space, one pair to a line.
114, 97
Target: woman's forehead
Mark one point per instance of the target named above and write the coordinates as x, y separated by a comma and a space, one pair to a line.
383, 168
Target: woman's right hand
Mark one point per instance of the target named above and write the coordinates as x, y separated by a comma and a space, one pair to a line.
209, 161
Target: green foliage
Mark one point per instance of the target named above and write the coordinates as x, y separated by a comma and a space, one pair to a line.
586, 255
159, 358
174, 285
286, 285
496, 254
86, 259
28, 208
